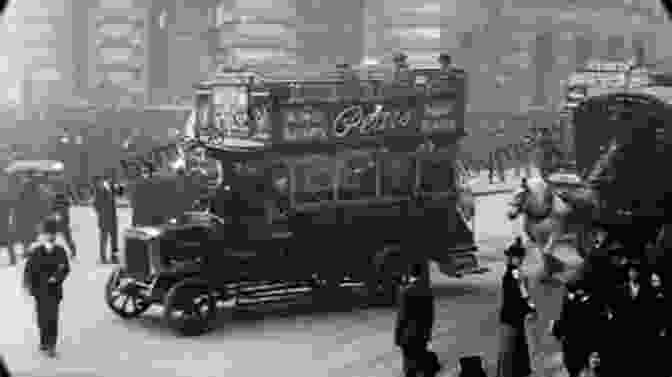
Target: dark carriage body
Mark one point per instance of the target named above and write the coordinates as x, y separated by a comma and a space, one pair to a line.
318, 186
631, 179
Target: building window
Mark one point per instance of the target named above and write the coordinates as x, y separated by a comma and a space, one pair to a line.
116, 30
467, 40
163, 19
211, 17
261, 30
116, 4
221, 16
121, 78
543, 61
615, 45
137, 37
639, 51
584, 47
116, 55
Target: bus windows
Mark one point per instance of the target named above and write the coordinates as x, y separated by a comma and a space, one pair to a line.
280, 192
398, 175
437, 176
315, 179
358, 177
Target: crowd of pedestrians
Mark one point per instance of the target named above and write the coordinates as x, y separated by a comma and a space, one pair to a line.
613, 320
617, 317
25, 203
37, 217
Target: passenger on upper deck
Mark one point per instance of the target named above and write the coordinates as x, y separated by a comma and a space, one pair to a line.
446, 62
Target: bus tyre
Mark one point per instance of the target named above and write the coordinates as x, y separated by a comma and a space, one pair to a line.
189, 308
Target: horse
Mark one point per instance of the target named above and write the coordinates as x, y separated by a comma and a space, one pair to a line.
548, 217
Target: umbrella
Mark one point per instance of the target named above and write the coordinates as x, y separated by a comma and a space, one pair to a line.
34, 166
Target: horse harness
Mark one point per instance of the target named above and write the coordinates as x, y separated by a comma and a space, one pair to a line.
543, 216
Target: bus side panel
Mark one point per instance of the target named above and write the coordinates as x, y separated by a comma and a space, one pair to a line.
444, 232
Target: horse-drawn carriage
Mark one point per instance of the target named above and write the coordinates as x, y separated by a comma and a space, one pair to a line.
622, 189
621, 145
321, 181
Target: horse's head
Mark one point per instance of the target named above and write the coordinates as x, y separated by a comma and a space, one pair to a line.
533, 197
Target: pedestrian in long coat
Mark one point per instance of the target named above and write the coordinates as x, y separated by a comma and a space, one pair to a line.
659, 327
104, 202
45, 271
4, 370
61, 204
631, 319
415, 321
5, 217
31, 208
582, 314
514, 354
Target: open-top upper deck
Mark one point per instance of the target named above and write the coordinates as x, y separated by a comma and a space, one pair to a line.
241, 111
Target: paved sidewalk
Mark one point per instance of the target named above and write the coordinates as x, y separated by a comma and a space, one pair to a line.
548, 359
549, 365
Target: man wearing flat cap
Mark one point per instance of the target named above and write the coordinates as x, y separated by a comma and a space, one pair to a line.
44, 274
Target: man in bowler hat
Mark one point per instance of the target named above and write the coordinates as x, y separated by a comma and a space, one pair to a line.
415, 321
44, 274
105, 205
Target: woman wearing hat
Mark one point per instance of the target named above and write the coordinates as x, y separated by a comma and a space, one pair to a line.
514, 356
44, 274
630, 318
659, 325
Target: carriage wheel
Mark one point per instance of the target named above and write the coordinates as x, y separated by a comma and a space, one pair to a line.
189, 308
122, 298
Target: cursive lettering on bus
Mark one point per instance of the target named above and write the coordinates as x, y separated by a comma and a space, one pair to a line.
354, 117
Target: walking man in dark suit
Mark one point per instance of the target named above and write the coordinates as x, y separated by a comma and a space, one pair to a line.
4, 370
5, 218
414, 325
44, 274
105, 205
61, 204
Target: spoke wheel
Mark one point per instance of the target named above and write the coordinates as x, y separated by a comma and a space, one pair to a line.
126, 303
189, 308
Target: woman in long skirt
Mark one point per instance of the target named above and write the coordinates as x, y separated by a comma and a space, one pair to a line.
514, 355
